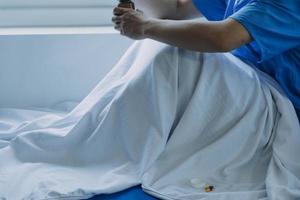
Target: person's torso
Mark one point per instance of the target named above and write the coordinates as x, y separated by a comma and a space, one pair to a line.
284, 68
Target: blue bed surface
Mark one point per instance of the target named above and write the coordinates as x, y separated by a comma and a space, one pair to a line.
135, 193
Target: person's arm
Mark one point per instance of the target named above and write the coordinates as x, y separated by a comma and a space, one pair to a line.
168, 9
198, 35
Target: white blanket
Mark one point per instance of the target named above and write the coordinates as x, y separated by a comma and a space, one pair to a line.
169, 119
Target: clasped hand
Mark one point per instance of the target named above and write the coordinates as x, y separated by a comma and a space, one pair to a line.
129, 22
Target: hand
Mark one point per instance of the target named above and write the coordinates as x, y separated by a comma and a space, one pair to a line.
130, 23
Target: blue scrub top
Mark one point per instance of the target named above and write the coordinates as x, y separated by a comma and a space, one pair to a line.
275, 28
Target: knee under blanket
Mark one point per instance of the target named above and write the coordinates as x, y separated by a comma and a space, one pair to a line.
167, 118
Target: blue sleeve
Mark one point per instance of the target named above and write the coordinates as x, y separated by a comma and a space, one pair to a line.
213, 10
273, 24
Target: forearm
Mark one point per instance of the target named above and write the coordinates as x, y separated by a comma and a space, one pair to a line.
197, 35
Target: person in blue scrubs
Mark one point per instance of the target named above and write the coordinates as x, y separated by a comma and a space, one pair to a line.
263, 33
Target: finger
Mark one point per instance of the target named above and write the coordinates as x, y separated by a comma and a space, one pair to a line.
116, 19
120, 11
117, 27
117, 23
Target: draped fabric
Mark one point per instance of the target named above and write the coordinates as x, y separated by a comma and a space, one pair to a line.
170, 119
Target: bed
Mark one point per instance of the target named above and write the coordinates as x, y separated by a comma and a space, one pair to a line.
129, 194
96, 147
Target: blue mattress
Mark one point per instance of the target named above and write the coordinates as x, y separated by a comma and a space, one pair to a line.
135, 193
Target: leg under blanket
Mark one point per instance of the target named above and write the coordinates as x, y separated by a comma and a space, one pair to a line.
169, 119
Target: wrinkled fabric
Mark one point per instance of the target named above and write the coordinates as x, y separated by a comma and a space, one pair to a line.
170, 119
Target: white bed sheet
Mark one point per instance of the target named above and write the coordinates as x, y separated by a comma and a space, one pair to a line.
170, 119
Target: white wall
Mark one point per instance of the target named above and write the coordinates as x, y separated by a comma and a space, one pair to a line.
42, 70
55, 13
